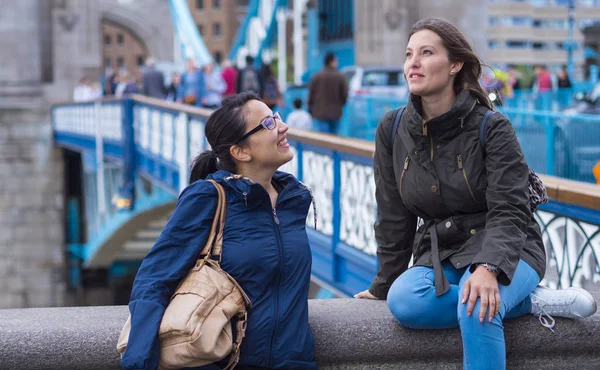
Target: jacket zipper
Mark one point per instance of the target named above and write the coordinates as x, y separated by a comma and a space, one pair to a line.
403, 172
280, 253
426, 133
431, 147
460, 167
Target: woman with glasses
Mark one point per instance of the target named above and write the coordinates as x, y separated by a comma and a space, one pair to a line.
265, 246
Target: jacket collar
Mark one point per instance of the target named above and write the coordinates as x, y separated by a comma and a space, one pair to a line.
446, 126
245, 190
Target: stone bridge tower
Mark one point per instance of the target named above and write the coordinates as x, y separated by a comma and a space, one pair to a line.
47, 46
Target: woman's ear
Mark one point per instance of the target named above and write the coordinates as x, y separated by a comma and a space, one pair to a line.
240, 153
456, 67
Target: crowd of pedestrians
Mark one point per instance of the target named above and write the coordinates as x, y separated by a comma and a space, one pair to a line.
506, 82
202, 86
206, 86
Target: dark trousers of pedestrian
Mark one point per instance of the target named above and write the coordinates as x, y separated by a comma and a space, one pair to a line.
328, 126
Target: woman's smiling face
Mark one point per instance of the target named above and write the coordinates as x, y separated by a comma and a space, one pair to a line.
268, 148
427, 68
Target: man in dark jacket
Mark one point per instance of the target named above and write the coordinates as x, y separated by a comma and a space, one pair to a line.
248, 79
153, 81
327, 94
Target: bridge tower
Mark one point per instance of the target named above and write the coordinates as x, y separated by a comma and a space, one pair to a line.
31, 171
48, 46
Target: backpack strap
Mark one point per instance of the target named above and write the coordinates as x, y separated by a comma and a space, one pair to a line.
483, 128
397, 116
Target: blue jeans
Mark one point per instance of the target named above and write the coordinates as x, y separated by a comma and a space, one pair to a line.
413, 303
329, 126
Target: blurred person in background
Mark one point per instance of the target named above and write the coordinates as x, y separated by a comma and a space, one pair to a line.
96, 90
215, 87
327, 95
271, 95
153, 80
229, 75
514, 78
563, 78
127, 85
248, 78
173, 87
543, 80
83, 90
299, 118
192, 85
111, 83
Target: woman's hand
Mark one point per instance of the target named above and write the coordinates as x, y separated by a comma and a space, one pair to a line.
365, 295
482, 284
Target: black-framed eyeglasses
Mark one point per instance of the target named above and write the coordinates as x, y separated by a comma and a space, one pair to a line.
269, 123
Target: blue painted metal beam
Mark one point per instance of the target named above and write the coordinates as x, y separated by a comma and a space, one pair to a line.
187, 32
314, 63
242, 32
271, 34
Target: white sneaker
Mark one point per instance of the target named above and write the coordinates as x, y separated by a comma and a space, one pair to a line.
572, 303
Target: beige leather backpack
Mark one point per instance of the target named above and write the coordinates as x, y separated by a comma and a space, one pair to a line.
196, 327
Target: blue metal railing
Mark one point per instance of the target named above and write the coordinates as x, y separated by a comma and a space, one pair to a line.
554, 143
555, 100
167, 136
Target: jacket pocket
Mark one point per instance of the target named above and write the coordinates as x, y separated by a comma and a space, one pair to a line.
450, 234
461, 168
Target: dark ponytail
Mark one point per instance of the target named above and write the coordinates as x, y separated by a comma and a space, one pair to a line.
459, 50
203, 165
223, 128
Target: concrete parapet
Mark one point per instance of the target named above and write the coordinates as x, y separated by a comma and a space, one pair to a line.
350, 334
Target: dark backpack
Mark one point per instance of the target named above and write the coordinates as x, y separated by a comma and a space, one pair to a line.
537, 190
250, 80
271, 93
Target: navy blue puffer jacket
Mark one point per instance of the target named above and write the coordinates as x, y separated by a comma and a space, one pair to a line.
266, 251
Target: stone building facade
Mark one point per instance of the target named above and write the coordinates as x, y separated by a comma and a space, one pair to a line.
218, 22
46, 47
381, 33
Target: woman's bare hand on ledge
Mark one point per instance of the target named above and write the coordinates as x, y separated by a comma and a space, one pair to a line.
365, 294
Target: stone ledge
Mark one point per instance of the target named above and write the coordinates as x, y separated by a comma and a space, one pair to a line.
350, 334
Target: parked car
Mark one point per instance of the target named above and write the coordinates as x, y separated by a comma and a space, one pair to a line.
379, 81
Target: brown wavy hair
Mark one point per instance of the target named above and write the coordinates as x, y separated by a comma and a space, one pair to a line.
459, 50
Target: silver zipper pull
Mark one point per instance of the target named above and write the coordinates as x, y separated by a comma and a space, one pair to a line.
275, 216
406, 162
245, 198
460, 162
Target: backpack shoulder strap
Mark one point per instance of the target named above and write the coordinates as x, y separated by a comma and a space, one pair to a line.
397, 117
483, 128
